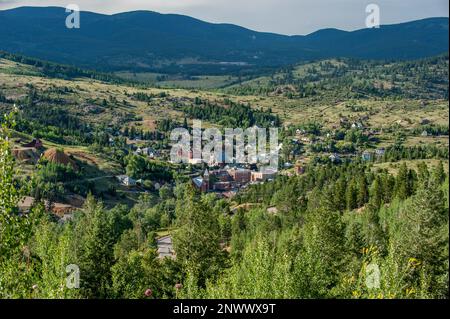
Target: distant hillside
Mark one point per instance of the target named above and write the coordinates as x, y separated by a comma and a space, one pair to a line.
352, 78
149, 41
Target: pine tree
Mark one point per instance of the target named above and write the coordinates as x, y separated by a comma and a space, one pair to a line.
351, 195
439, 174
422, 238
423, 174
339, 197
96, 255
324, 254
402, 184
376, 194
363, 195
197, 240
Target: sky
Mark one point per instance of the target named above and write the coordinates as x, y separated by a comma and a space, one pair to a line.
280, 16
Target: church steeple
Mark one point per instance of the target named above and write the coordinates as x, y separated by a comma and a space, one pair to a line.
205, 184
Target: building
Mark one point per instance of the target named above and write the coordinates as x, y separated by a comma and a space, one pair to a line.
35, 143
366, 156
63, 211
202, 183
357, 125
126, 180
221, 175
380, 152
334, 158
240, 175
138, 151
263, 175
223, 186
226, 180
147, 151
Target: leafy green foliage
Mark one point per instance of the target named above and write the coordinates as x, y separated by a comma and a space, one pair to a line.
16, 228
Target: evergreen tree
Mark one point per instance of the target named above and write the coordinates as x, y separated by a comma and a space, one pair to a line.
351, 195
376, 194
197, 240
324, 255
96, 255
403, 183
422, 238
439, 174
363, 195
340, 200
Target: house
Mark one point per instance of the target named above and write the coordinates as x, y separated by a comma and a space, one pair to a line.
148, 151
138, 151
63, 211
334, 158
366, 156
153, 153
380, 152
126, 180
263, 175
358, 125
35, 143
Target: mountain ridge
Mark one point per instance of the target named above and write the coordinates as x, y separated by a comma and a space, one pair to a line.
151, 41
